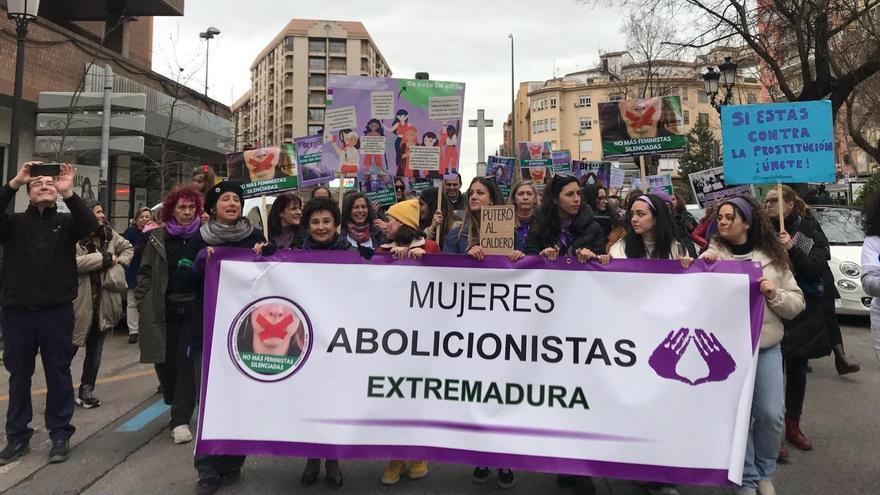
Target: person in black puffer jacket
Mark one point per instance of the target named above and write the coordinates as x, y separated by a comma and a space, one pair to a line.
807, 335
226, 228
564, 224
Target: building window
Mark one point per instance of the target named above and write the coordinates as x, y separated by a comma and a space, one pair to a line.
316, 114
703, 117
316, 98
751, 98
584, 101
552, 124
701, 97
539, 126
315, 129
615, 96
586, 123
586, 146
316, 46
288, 43
317, 64
337, 64
552, 102
318, 80
686, 117
684, 94
337, 47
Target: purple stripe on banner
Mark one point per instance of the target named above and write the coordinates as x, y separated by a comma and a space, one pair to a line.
637, 472
452, 425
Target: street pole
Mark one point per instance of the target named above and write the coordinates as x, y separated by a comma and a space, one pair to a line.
103, 190
207, 58
512, 102
15, 131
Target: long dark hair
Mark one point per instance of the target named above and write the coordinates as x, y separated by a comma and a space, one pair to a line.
761, 233
429, 196
380, 130
590, 193
405, 235
871, 214
348, 204
548, 223
664, 231
281, 203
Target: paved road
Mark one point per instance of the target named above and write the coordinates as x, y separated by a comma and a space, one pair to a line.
123, 447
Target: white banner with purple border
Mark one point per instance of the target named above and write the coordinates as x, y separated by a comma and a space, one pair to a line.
639, 370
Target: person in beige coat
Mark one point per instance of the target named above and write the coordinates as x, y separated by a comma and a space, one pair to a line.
101, 259
745, 234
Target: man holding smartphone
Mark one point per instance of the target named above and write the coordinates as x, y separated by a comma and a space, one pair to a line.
38, 284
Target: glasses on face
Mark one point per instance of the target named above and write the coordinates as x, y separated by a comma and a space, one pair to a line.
399, 188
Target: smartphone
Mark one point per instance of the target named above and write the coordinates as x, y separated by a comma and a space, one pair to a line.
46, 170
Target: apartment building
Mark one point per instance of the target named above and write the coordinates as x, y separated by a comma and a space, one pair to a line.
289, 78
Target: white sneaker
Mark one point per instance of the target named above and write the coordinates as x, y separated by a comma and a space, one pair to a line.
765, 487
181, 434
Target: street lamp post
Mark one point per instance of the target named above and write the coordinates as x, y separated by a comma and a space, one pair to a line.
724, 77
22, 12
208, 35
512, 103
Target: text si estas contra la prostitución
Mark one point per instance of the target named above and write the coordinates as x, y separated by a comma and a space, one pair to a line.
468, 297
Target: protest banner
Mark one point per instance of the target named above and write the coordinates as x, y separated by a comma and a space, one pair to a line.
396, 127
709, 187
648, 126
778, 143
496, 229
482, 363
308, 156
660, 182
264, 171
617, 177
561, 161
535, 154
602, 170
501, 169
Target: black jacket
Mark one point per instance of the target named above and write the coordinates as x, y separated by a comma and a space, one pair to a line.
585, 233
39, 252
806, 335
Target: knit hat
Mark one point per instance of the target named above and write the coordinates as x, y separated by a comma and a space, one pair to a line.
406, 212
217, 190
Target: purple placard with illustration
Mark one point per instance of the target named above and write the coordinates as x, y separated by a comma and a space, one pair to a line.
501, 169
397, 127
308, 156
561, 162
727, 358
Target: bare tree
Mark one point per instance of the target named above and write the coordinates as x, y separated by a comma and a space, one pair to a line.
659, 67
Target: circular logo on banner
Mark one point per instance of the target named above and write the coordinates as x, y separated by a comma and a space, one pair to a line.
270, 339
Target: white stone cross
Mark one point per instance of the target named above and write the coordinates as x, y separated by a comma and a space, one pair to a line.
481, 124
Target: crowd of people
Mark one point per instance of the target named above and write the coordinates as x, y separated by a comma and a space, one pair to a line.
81, 277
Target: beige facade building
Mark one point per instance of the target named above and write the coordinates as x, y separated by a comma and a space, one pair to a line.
289, 78
565, 111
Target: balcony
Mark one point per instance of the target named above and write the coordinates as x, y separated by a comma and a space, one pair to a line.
93, 10
338, 66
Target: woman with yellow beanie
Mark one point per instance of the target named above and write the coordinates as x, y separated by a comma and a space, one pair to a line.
405, 241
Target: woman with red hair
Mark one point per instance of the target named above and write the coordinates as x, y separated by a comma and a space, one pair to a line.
166, 293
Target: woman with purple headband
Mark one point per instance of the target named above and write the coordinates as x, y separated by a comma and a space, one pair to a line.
650, 233
745, 234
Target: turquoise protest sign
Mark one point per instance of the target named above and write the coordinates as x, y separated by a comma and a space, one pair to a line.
778, 142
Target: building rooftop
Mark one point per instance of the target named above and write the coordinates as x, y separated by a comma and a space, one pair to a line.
240, 102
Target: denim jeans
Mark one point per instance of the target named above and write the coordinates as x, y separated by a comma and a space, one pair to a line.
765, 429
92, 361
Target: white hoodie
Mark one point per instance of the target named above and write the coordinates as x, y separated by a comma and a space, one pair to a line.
871, 284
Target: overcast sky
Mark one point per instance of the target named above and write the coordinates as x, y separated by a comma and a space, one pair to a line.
454, 40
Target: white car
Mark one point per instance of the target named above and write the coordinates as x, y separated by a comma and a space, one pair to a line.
843, 227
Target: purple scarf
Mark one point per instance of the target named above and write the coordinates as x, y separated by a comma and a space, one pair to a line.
174, 229
565, 238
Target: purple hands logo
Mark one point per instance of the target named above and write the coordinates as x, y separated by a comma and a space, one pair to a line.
664, 360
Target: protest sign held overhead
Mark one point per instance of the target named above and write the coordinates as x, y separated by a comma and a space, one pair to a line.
496, 229
484, 364
778, 142
308, 155
561, 162
264, 171
602, 170
709, 187
641, 127
501, 169
392, 127
378, 188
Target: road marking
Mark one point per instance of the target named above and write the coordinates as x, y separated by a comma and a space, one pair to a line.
144, 417
109, 379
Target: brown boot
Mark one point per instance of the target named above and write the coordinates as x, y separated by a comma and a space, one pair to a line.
783, 453
794, 434
842, 363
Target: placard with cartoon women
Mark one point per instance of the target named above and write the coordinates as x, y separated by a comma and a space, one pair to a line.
395, 127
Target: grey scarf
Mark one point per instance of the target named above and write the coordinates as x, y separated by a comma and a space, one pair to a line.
215, 233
